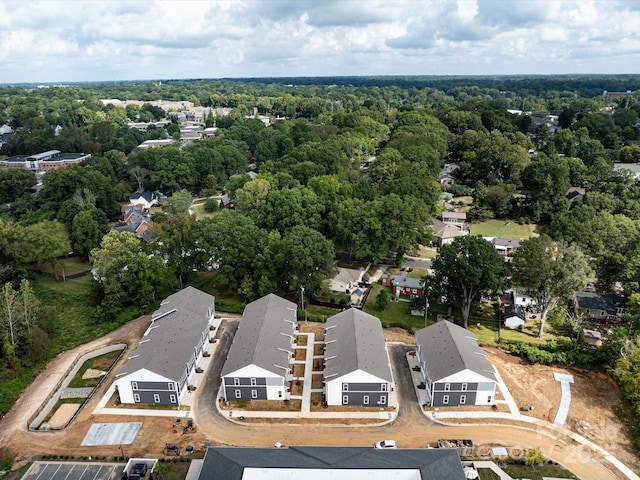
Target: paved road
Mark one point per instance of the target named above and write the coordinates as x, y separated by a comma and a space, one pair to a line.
411, 429
416, 262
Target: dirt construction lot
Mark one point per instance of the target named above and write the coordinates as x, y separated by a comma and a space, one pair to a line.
593, 396
590, 415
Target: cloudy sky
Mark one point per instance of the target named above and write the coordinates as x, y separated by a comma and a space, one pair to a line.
58, 41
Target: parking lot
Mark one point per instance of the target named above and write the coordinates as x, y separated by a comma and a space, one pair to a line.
74, 471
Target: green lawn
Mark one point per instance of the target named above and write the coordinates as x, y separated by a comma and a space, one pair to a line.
226, 301
488, 474
69, 320
501, 228
537, 473
102, 362
198, 211
397, 314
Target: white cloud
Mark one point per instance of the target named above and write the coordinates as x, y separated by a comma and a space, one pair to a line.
95, 40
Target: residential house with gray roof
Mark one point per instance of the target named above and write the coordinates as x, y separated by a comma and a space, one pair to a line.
158, 371
354, 463
357, 370
600, 306
454, 368
259, 363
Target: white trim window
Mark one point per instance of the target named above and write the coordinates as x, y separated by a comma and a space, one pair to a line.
236, 382
136, 398
345, 400
171, 386
365, 400
464, 387
445, 399
238, 394
383, 387
254, 393
156, 398
447, 387
172, 399
463, 399
345, 387
134, 386
253, 382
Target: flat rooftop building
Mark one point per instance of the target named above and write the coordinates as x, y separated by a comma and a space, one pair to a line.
42, 162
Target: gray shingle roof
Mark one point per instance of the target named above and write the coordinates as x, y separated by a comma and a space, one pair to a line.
228, 463
354, 341
174, 333
263, 337
609, 302
403, 280
448, 349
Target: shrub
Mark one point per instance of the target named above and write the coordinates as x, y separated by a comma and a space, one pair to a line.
211, 205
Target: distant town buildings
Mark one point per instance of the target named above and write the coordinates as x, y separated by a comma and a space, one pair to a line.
45, 161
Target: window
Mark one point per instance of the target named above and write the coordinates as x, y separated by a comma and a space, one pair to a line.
489, 399
253, 382
279, 393
236, 381
134, 385
463, 399
383, 400
383, 387
447, 387
171, 386
238, 394
345, 400
445, 399
156, 398
136, 398
345, 387
172, 399
365, 400
254, 394
464, 387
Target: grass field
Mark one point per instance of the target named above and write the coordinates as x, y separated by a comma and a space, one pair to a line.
69, 314
198, 211
101, 362
226, 301
502, 228
538, 472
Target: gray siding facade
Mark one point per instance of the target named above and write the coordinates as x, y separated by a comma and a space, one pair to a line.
155, 393
365, 394
456, 394
236, 388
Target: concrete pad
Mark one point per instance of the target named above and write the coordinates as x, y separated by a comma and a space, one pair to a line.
111, 434
565, 397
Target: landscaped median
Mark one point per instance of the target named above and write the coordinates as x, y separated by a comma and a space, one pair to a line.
76, 387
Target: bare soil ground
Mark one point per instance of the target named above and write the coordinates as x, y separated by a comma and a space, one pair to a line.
63, 414
593, 396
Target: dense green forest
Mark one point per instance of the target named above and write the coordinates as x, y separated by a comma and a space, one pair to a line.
343, 164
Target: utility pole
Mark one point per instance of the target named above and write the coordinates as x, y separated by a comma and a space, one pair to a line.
426, 307
302, 297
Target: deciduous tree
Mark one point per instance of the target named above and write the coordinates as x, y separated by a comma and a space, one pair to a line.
465, 270
548, 272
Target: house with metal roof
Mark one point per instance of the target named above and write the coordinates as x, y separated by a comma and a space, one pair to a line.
158, 371
357, 370
260, 359
339, 463
453, 366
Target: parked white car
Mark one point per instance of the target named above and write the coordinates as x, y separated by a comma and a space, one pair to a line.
386, 444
